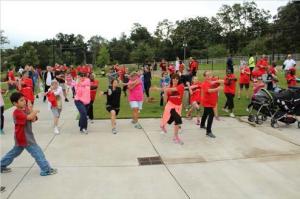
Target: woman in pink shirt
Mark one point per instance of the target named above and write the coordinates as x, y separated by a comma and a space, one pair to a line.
82, 100
135, 97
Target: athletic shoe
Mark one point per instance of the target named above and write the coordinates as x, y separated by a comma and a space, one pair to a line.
231, 115
198, 122
247, 110
138, 126
225, 110
2, 189
211, 135
5, 170
56, 131
50, 172
84, 131
163, 129
66, 100
114, 131
178, 141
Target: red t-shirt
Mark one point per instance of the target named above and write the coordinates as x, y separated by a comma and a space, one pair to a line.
291, 80
176, 96
94, 91
27, 90
181, 68
196, 96
11, 75
229, 84
208, 99
273, 71
245, 75
193, 66
20, 119
74, 73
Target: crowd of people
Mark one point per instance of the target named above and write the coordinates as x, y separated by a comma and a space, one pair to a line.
179, 88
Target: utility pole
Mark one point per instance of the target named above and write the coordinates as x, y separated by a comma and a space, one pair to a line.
184, 45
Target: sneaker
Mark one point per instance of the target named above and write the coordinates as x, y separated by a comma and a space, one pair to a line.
50, 172
138, 126
247, 110
211, 135
5, 170
163, 129
114, 131
178, 141
225, 110
231, 115
84, 131
2, 189
56, 131
198, 122
66, 100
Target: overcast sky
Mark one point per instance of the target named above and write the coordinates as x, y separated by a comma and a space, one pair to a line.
36, 21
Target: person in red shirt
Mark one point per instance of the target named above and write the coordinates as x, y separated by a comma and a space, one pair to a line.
25, 86
193, 67
173, 95
181, 67
291, 77
73, 72
94, 87
210, 90
171, 69
262, 64
229, 91
11, 79
244, 80
24, 138
163, 65
195, 98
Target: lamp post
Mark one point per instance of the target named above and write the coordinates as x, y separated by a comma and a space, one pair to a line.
184, 45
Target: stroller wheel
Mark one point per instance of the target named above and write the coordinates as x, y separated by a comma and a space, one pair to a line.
259, 120
262, 117
274, 124
251, 118
299, 125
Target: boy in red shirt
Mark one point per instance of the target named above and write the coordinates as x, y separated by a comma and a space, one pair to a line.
195, 98
24, 138
229, 91
244, 80
11, 79
209, 101
94, 87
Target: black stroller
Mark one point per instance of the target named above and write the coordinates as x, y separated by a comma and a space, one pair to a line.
288, 103
262, 106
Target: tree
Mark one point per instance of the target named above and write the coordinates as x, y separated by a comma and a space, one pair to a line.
164, 30
94, 44
103, 57
218, 50
28, 54
139, 34
120, 49
142, 53
3, 39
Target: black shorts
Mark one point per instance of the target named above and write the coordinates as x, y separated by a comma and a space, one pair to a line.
175, 117
194, 73
242, 86
109, 109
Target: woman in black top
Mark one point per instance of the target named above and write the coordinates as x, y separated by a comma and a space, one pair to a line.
113, 95
147, 82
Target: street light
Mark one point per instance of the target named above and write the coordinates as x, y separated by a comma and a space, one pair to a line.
184, 45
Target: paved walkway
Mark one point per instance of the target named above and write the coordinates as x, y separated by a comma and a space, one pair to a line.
242, 162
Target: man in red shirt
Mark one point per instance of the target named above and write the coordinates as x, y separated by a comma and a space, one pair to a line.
209, 101
262, 65
291, 77
94, 87
11, 79
244, 80
229, 91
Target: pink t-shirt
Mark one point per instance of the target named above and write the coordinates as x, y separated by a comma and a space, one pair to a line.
82, 89
136, 93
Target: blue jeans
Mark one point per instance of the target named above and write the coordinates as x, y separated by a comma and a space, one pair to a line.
34, 150
83, 110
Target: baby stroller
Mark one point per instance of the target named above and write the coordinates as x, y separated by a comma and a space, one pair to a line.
288, 102
262, 106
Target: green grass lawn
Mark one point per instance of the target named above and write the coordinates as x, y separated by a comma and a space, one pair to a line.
153, 110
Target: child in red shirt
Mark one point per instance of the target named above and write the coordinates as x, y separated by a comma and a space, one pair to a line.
229, 91
210, 90
195, 98
244, 80
25, 86
291, 77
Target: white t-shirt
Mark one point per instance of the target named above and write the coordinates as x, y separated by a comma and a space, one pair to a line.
177, 65
48, 79
289, 63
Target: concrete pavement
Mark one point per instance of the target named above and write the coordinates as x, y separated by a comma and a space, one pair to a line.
242, 162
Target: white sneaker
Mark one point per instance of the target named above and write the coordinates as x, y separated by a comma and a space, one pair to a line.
225, 110
231, 115
84, 131
247, 109
56, 131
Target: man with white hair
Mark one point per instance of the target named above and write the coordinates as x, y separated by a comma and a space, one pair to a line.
288, 63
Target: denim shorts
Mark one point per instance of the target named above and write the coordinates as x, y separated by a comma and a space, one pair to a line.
136, 104
56, 112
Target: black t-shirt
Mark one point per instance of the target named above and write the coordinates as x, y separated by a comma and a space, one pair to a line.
270, 83
113, 100
147, 77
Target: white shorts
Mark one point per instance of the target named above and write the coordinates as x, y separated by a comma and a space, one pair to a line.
136, 104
